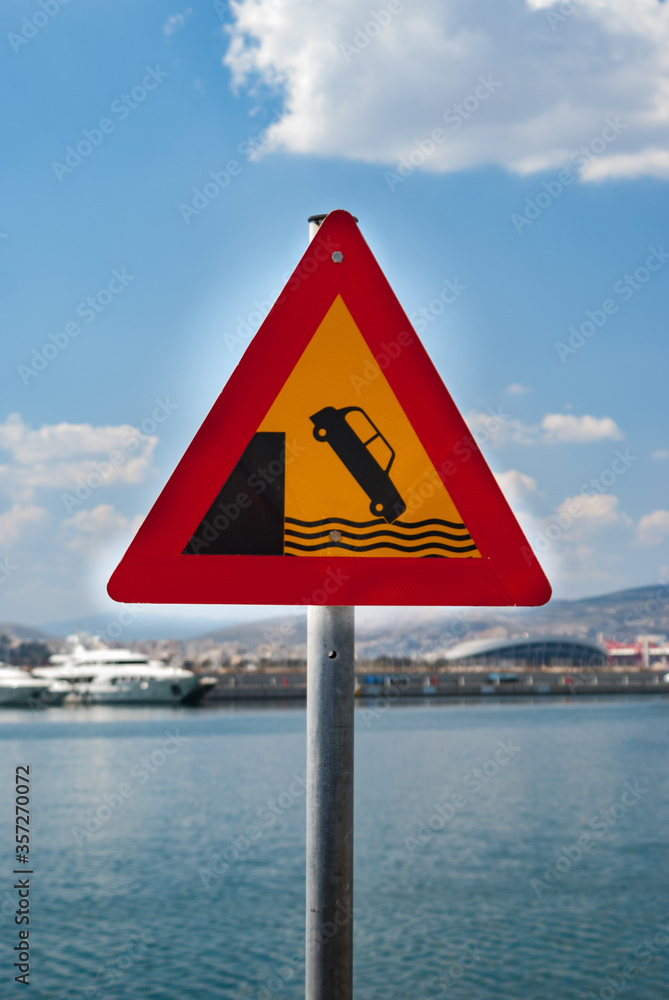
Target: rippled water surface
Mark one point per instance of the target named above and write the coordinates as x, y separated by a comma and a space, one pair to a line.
169, 851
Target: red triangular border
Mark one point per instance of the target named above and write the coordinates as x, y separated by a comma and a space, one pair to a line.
155, 571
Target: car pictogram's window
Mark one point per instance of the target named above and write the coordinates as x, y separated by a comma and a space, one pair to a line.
371, 437
381, 451
361, 424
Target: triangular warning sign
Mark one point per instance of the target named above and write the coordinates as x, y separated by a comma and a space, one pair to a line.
334, 468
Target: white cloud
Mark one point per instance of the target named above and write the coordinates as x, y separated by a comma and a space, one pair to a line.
660, 453
582, 566
373, 87
176, 21
58, 456
88, 531
15, 522
646, 163
559, 427
653, 528
499, 428
596, 511
583, 542
516, 486
516, 389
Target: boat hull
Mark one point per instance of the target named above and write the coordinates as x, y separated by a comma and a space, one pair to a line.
153, 691
20, 693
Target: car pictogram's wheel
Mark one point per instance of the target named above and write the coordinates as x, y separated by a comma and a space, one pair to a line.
320, 433
377, 507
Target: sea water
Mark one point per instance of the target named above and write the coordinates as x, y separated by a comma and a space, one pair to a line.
504, 848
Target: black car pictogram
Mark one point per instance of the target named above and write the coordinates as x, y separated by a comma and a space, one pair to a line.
353, 448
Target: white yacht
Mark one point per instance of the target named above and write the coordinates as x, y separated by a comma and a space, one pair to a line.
18, 687
121, 676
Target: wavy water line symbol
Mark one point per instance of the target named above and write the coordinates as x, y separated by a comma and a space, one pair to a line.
402, 536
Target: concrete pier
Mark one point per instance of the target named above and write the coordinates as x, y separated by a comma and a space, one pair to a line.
415, 683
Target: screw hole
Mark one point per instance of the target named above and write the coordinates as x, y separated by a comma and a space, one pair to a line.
333, 654
337, 256
335, 536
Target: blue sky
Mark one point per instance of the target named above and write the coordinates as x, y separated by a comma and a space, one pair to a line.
516, 149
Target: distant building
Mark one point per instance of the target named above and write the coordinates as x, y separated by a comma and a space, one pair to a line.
645, 651
530, 652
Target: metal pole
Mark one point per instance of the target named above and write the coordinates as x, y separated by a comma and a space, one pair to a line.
330, 693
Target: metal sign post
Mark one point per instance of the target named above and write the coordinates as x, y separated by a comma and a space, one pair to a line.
330, 693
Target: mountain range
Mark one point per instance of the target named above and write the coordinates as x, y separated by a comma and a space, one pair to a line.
381, 631
414, 632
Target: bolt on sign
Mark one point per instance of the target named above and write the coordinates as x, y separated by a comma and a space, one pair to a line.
333, 468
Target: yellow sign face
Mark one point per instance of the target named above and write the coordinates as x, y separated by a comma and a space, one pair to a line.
357, 479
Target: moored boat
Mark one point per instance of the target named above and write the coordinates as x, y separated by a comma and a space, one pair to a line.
18, 687
122, 676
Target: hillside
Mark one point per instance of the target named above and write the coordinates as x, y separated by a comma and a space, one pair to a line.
415, 632
387, 632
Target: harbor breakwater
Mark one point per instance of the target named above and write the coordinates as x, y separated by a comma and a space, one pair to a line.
424, 683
